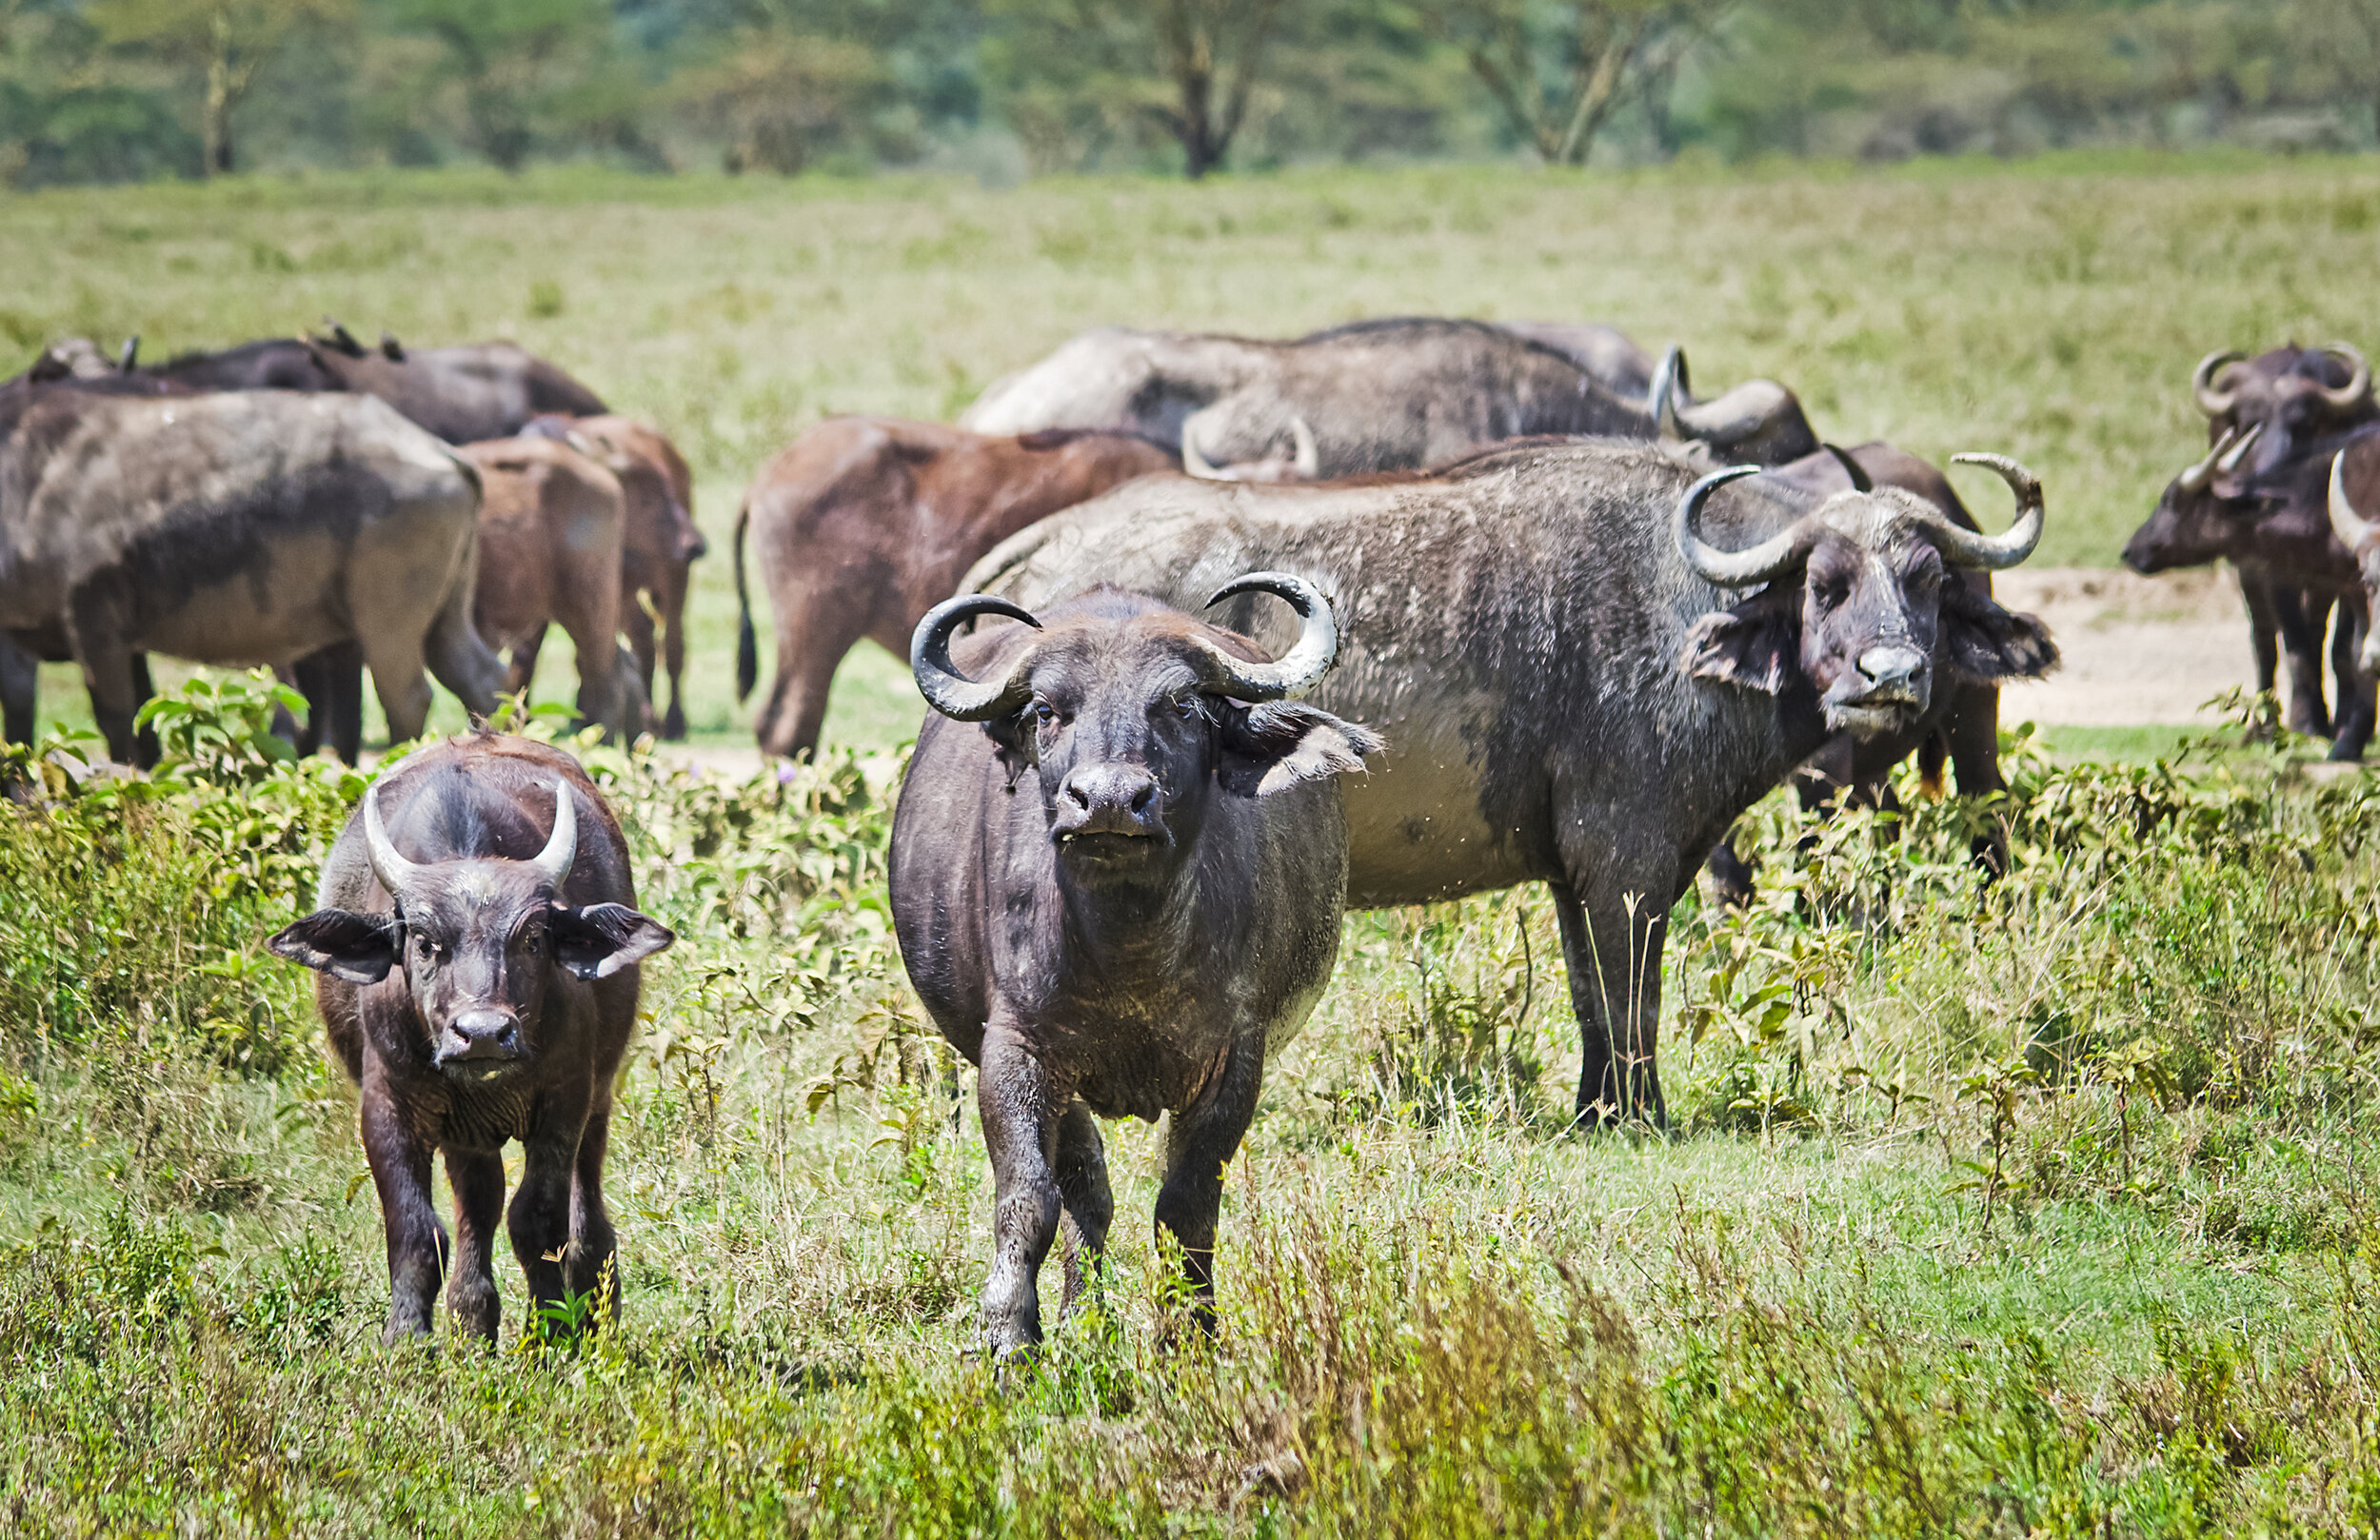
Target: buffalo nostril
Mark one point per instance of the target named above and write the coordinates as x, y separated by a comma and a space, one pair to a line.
1079, 793
1141, 798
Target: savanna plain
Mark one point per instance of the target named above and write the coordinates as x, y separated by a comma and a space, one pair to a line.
2035, 1207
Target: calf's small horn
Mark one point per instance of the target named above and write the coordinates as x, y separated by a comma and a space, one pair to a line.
947, 690
396, 874
1736, 569
132, 352
1668, 388
1860, 480
2350, 527
2229, 460
1306, 455
2210, 400
562, 846
1301, 668
2358, 378
1193, 463
2197, 476
1968, 549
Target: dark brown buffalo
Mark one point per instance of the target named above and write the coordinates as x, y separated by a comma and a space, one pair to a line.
2257, 500
551, 525
1580, 685
659, 543
865, 522
241, 529
478, 942
1117, 895
1391, 394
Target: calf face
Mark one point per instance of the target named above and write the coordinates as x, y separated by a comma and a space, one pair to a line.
1872, 623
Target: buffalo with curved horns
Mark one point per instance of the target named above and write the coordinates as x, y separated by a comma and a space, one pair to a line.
1117, 895
1587, 662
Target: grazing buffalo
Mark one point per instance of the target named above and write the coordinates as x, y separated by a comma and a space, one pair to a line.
549, 536
478, 942
1374, 396
865, 522
242, 528
1580, 684
2256, 499
1116, 898
659, 543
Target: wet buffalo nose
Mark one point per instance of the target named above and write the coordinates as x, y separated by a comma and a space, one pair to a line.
1891, 668
1107, 798
483, 1033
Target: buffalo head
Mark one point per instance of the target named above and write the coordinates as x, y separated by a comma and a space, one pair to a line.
478, 940
2360, 536
1134, 722
1303, 461
1870, 621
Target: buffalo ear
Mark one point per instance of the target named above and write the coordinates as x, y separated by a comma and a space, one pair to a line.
1754, 644
1012, 744
1271, 747
602, 939
1988, 644
358, 948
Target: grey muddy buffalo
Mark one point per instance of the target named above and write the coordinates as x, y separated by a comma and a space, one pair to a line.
1117, 872
1587, 662
477, 944
246, 528
1392, 394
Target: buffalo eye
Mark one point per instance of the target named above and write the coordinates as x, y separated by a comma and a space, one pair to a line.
1189, 707
1043, 713
427, 950
1829, 592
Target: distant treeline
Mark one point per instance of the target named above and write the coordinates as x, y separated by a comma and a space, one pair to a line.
122, 90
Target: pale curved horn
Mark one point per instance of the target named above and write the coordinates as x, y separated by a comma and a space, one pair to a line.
1738, 569
1196, 463
395, 873
947, 690
2229, 460
2210, 400
562, 846
1668, 391
1301, 668
2197, 476
2350, 527
2358, 378
1306, 454
1967, 548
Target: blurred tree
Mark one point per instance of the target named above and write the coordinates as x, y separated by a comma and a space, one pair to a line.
1560, 68
219, 43
512, 58
777, 96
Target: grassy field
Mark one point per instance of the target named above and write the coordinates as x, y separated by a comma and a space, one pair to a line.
2052, 311
2037, 1209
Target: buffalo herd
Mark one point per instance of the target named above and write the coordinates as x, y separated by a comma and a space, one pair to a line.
1221, 636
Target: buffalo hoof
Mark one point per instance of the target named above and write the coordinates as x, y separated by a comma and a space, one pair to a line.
673, 725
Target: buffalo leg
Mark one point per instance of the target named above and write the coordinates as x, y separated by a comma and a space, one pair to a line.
521, 676
1731, 874
592, 620
2354, 719
459, 660
1089, 1208
20, 686
396, 666
812, 635
1613, 954
1200, 1141
2300, 627
671, 602
540, 1216
417, 1242
1020, 1111
478, 1179
2255, 592
1973, 730
112, 674
592, 1261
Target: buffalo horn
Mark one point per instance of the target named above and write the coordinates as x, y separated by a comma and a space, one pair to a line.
1860, 480
132, 352
2229, 460
1736, 569
2210, 400
562, 847
1195, 463
947, 690
2197, 476
1306, 455
2350, 527
1967, 548
392, 349
2358, 378
1669, 389
1301, 668
396, 874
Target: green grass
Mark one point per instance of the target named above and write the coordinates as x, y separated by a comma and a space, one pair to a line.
2051, 308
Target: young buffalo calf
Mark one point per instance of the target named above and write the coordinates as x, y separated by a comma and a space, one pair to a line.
478, 945
1118, 897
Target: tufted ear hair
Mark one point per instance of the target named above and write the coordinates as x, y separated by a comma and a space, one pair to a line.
1755, 644
358, 948
602, 939
1989, 645
1273, 746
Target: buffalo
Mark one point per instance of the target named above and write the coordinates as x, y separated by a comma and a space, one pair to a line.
1374, 396
2354, 485
1117, 897
477, 944
242, 528
865, 523
1588, 662
2256, 499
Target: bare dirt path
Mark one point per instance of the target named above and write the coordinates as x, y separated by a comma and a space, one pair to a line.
2138, 651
